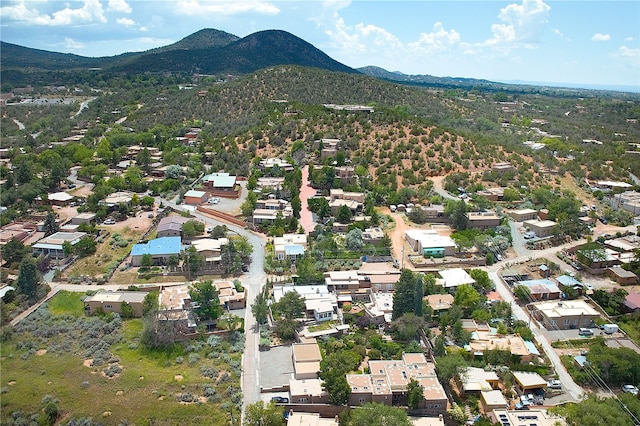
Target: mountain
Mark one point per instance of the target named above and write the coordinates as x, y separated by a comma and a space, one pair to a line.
207, 52
203, 39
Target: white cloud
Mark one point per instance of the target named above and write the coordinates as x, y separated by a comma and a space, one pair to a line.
119, 6
71, 44
126, 22
628, 52
143, 29
90, 12
628, 39
524, 24
225, 7
601, 37
437, 40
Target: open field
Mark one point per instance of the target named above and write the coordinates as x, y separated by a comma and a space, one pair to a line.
51, 353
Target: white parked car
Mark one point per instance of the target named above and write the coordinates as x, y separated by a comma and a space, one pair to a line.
109, 222
554, 384
630, 389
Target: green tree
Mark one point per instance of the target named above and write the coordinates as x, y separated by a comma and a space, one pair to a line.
146, 261
50, 226
193, 259
406, 327
126, 311
466, 296
85, 247
457, 212
204, 296
150, 303
260, 309
482, 280
344, 214
404, 294
353, 240
263, 414
522, 293
291, 305
28, 278
373, 413
13, 251
191, 228
336, 385
415, 393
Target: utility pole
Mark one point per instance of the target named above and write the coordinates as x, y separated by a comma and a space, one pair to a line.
402, 265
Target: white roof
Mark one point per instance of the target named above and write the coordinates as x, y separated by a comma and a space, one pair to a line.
60, 196
205, 244
455, 277
566, 308
194, 193
429, 238
305, 387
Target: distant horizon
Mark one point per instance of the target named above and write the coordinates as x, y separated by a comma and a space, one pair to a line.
506, 40
603, 87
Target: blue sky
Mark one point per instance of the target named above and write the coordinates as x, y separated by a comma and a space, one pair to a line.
581, 43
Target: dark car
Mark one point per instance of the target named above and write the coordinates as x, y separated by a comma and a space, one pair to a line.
245, 268
603, 220
280, 400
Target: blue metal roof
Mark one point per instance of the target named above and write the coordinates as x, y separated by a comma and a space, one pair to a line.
157, 247
531, 347
568, 281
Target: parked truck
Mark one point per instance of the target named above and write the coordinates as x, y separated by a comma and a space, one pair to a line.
610, 328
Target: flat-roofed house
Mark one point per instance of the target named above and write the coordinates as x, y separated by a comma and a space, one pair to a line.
536, 416
117, 198
493, 400
526, 381
87, 218
53, 245
542, 228
483, 220
107, 301
306, 360
622, 276
429, 243
522, 215
473, 380
455, 277
289, 246
542, 289
307, 391
211, 251
388, 380
565, 315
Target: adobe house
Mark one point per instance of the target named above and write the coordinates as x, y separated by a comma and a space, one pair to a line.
108, 301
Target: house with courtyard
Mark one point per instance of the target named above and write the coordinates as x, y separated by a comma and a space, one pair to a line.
485, 338
115, 199
210, 249
439, 303
380, 309
388, 380
289, 246
473, 380
320, 304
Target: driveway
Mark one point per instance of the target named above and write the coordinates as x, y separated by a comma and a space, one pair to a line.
306, 192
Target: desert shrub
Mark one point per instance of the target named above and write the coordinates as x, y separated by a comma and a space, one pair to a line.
186, 397
209, 371
112, 370
179, 360
194, 358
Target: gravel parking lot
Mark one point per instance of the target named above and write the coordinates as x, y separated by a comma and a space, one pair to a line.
276, 366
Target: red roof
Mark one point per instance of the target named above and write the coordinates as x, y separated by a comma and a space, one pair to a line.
632, 300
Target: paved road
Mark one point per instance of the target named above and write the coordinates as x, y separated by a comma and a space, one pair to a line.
253, 282
574, 392
306, 192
